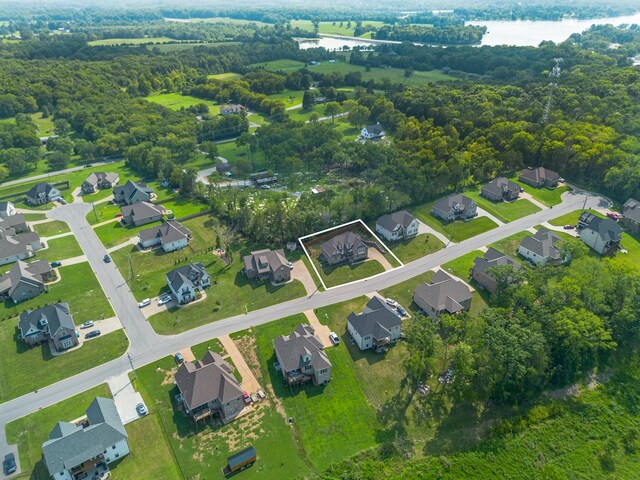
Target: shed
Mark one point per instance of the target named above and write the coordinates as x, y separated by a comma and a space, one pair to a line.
242, 459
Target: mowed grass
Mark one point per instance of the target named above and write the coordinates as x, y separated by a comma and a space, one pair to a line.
417, 247
341, 274
283, 65
334, 28
61, 248
49, 229
27, 369
130, 41
509, 245
504, 211
225, 76
460, 266
30, 432
114, 233
403, 292
543, 195
175, 101
332, 422
201, 451
78, 287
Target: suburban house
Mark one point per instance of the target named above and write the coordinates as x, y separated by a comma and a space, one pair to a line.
481, 272
454, 207
25, 280
500, 189
49, 323
539, 177
99, 181
372, 132
17, 222
141, 213
208, 387
631, 212
443, 294
170, 235
231, 109
267, 265
601, 234
398, 225
42, 193
7, 209
17, 247
541, 248
184, 281
345, 247
301, 357
377, 326
131, 193
84, 449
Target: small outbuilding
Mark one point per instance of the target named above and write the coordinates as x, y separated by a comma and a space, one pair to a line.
241, 460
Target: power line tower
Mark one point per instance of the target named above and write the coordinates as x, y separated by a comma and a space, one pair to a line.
555, 73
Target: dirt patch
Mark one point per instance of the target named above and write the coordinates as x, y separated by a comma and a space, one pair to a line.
169, 375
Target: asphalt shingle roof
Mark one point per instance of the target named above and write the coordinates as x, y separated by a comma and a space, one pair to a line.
376, 319
302, 342
391, 220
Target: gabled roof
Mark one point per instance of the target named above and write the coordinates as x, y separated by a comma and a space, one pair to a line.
374, 129
206, 381
169, 231
631, 210
499, 185
338, 244
542, 243
186, 274
443, 293
302, 342
606, 228
539, 174
21, 272
376, 319
12, 220
265, 260
456, 201
41, 188
142, 210
12, 244
391, 221
493, 257
96, 177
130, 188
70, 445
56, 315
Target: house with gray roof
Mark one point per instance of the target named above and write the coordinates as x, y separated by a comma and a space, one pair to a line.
42, 193
15, 247
601, 234
25, 280
539, 177
85, 449
455, 207
233, 109
184, 281
49, 323
372, 132
443, 294
267, 265
377, 326
481, 270
500, 189
397, 225
7, 209
631, 215
131, 193
17, 222
141, 213
170, 235
542, 248
99, 181
301, 357
345, 247
208, 387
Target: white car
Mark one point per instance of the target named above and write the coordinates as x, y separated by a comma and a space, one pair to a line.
144, 303
335, 339
391, 302
164, 299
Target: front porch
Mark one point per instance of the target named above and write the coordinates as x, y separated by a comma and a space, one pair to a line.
94, 469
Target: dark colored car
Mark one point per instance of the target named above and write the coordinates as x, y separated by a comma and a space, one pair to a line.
9, 464
92, 333
55, 264
107, 259
179, 358
569, 227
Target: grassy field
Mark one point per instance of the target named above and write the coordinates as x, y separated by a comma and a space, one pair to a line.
283, 65
460, 230
130, 41
509, 245
181, 207
331, 422
33, 217
420, 246
333, 27
175, 101
44, 125
225, 76
61, 248
31, 431
102, 212
288, 97
571, 218
505, 211
27, 369
49, 229
543, 195
78, 287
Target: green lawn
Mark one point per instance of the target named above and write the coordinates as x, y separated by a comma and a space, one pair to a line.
102, 212
403, 292
175, 101
130, 41
283, 65
114, 233
225, 76
49, 229
509, 245
417, 247
505, 211
27, 369
181, 207
460, 230
460, 266
31, 431
571, 218
61, 248
333, 27
44, 125
34, 217
78, 287
334, 276
543, 195
331, 422
288, 97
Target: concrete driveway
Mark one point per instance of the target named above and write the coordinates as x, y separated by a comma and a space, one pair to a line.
125, 397
301, 273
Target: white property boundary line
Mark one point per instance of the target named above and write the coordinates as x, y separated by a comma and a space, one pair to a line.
359, 221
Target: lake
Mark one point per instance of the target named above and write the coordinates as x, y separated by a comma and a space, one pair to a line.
335, 42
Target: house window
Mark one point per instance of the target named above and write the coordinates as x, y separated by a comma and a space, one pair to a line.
114, 447
117, 455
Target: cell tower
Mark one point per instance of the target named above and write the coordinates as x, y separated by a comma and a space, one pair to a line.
555, 73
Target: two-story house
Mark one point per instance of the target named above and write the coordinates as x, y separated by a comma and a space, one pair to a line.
345, 247
539, 177
99, 181
500, 189
301, 357
267, 265
481, 271
455, 207
131, 193
631, 215
377, 326
397, 226
542, 248
184, 281
42, 193
601, 234
170, 235
51, 322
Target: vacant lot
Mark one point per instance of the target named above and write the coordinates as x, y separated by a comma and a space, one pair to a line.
509, 245
61, 248
459, 230
417, 247
460, 266
49, 229
175, 101
505, 211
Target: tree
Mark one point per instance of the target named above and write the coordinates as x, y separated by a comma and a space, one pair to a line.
314, 117
421, 344
210, 148
358, 116
61, 127
331, 109
58, 160
60, 144
308, 100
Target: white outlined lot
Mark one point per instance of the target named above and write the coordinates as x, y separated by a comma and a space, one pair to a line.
360, 224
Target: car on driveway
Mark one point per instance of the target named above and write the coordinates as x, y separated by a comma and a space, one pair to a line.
402, 311
107, 259
335, 339
391, 302
118, 215
55, 264
178, 357
88, 324
144, 303
141, 409
9, 464
569, 227
614, 216
92, 334
164, 299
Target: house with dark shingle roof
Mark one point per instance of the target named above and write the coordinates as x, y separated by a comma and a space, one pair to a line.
170, 235
267, 265
99, 181
141, 213
85, 450
397, 225
631, 215
500, 189
17, 247
42, 193
345, 247
131, 193
376, 327
184, 281
601, 234
481, 270
208, 387
16, 222
454, 207
371, 132
51, 322
443, 294
539, 177
25, 280
541, 248
301, 357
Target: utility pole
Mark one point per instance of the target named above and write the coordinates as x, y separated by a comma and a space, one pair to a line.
131, 266
94, 211
132, 367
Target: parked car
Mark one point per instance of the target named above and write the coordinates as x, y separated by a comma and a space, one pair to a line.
266, 187
290, 265
164, 299
141, 409
178, 357
55, 264
335, 339
118, 215
107, 259
392, 302
521, 190
88, 165
88, 324
402, 311
63, 201
92, 334
569, 227
614, 216
561, 179
9, 463
246, 396
144, 303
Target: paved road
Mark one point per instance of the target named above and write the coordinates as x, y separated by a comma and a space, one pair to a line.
147, 346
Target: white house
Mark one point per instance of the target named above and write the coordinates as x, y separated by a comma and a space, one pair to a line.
170, 235
184, 281
372, 131
377, 326
398, 225
7, 209
601, 234
541, 249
